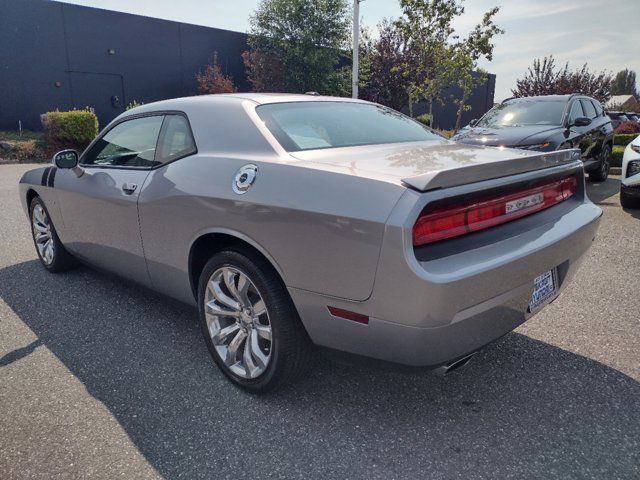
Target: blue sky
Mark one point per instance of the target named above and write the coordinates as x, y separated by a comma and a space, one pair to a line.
606, 34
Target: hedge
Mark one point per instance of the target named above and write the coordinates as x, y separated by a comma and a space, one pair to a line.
616, 159
74, 128
624, 139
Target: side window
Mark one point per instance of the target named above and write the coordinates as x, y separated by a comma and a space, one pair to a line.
589, 109
129, 144
599, 110
176, 139
576, 111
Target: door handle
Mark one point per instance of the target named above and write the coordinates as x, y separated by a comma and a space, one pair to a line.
129, 188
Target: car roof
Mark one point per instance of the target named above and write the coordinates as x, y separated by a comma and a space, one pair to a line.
552, 98
263, 98
257, 98
542, 98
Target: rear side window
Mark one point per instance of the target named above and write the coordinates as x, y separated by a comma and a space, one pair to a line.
314, 125
176, 139
589, 109
599, 110
131, 143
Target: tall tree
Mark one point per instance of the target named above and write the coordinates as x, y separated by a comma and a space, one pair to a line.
543, 78
385, 83
479, 44
426, 26
624, 83
435, 57
302, 39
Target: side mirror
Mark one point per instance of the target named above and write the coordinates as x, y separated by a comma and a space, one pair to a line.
473, 122
581, 122
68, 159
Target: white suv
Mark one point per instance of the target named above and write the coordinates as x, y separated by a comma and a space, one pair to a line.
630, 187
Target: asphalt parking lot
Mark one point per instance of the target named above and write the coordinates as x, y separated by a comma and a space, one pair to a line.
102, 379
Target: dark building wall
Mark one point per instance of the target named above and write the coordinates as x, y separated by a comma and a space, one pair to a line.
444, 114
44, 42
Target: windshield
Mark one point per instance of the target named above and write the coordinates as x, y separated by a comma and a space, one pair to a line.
314, 125
524, 112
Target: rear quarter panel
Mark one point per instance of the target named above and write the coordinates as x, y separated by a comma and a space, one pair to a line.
321, 230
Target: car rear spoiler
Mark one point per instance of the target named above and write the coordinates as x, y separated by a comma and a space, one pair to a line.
487, 171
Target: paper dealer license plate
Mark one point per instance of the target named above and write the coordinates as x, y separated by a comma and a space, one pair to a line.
544, 287
524, 202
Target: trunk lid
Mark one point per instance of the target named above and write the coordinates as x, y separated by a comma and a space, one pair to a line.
434, 164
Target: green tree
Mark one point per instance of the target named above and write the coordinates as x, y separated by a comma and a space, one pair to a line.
434, 56
302, 40
624, 83
426, 26
479, 44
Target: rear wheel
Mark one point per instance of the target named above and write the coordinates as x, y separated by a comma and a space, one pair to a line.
53, 256
249, 322
601, 173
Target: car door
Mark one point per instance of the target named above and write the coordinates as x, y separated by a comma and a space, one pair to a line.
578, 137
596, 136
100, 208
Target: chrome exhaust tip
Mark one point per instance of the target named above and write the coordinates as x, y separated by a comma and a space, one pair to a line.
456, 365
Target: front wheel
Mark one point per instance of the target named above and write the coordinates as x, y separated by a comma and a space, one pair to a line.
602, 172
249, 322
627, 201
52, 254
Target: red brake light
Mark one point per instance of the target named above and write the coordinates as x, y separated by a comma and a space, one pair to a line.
450, 222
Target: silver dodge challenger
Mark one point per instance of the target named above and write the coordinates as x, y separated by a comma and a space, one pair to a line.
296, 221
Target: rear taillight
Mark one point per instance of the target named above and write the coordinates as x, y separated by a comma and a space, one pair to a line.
454, 221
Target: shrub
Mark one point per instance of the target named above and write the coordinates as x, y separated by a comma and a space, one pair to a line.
72, 128
213, 80
616, 157
628, 127
624, 139
134, 104
446, 133
425, 119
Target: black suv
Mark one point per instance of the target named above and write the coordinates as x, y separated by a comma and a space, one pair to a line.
546, 123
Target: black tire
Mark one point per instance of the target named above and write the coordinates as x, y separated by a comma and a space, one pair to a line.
291, 348
601, 173
62, 259
628, 201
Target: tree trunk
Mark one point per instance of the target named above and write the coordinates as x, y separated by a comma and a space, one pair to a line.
431, 112
410, 107
463, 102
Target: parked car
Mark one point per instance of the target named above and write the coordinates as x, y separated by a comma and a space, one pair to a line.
548, 123
295, 220
630, 185
633, 117
617, 118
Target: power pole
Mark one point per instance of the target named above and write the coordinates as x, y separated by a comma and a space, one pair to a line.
356, 47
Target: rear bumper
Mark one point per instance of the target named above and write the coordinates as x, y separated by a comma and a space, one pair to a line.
431, 311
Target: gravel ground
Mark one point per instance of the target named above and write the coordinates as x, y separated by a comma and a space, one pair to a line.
102, 379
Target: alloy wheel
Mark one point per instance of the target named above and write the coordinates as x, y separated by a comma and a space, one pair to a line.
42, 234
238, 322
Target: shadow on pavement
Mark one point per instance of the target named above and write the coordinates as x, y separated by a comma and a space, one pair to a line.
522, 409
600, 193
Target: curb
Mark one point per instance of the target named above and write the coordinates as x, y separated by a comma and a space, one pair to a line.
615, 170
